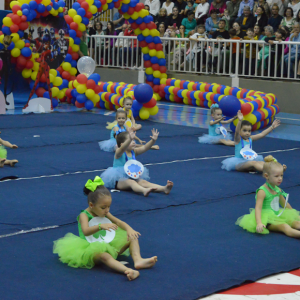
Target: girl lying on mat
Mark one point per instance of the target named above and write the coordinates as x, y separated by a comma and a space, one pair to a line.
120, 126
129, 174
267, 216
217, 134
245, 158
3, 154
102, 237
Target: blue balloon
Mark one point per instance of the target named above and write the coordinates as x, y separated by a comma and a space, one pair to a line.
147, 57
167, 96
65, 83
133, 3
21, 33
89, 105
1, 46
111, 5
140, 37
81, 12
216, 98
46, 95
25, 11
210, 89
68, 58
49, 7
143, 93
33, 5
81, 98
154, 60
61, 3
149, 77
85, 21
96, 77
102, 104
149, 39
60, 15
135, 113
12, 46
230, 105
156, 81
25, 6
77, 40
6, 30
124, 8
185, 85
97, 4
162, 62
55, 6
73, 100
76, 5
139, 21
72, 33
74, 93
136, 105
148, 19
54, 102
74, 63
157, 40
41, 8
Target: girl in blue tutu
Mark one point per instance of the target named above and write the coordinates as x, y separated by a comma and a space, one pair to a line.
267, 216
214, 135
116, 178
3, 154
103, 242
243, 140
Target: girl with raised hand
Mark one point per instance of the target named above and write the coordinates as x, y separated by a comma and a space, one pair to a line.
116, 178
267, 216
3, 154
243, 141
214, 135
103, 242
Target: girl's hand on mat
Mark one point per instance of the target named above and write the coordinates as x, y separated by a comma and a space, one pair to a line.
14, 147
240, 115
260, 228
132, 234
275, 124
109, 226
155, 134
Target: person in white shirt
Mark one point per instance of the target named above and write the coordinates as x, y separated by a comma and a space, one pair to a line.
168, 5
154, 6
295, 6
281, 4
201, 12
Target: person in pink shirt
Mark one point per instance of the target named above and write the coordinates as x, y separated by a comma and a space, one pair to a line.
220, 5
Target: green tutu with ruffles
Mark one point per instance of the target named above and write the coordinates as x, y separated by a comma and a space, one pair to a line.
248, 222
79, 253
3, 152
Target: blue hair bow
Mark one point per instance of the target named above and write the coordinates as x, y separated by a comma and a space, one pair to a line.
214, 106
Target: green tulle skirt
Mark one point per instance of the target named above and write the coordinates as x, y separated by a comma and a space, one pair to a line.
248, 222
3, 152
79, 253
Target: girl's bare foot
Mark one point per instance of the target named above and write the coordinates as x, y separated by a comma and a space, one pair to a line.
13, 162
2, 161
145, 263
284, 168
132, 274
168, 187
148, 191
155, 147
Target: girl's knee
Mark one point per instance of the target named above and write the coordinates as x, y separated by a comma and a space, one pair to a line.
103, 257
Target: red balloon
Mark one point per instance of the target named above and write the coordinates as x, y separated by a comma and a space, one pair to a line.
151, 25
151, 45
134, 25
101, 86
219, 89
14, 28
91, 84
74, 26
188, 95
40, 92
130, 10
143, 44
88, 15
60, 69
98, 89
68, 19
79, 105
64, 99
177, 99
69, 100
159, 47
84, 5
75, 55
150, 83
43, 78
38, 15
116, 4
29, 64
27, 44
106, 97
23, 25
207, 87
70, 51
66, 75
175, 91
162, 94
162, 87
38, 1
21, 61
16, 8
155, 67
80, 1
246, 109
98, 104
68, 93
139, 7
143, 26
72, 78
45, 13
79, 33
156, 88
168, 82
181, 82
201, 96
16, 19
82, 79
147, 63
150, 103
163, 69
23, 18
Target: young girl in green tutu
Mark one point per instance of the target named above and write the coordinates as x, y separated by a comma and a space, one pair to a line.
90, 247
267, 216
3, 154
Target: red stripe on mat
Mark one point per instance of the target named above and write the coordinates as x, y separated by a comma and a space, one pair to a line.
263, 289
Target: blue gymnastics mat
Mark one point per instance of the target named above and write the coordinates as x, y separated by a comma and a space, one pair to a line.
54, 201
200, 251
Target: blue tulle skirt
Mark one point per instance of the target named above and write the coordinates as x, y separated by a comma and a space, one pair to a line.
113, 174
108, 145
230, 163
213, 139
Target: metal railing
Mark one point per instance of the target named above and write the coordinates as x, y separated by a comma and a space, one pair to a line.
247, 58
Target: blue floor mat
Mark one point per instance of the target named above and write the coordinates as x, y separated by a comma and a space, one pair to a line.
54, 201
200, 251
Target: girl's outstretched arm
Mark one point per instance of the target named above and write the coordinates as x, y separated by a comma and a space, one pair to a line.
259, 202
124, 146
87, 230
229, 121
148, 146
237, 137
131, 234
256, 137
216, 121
8, 144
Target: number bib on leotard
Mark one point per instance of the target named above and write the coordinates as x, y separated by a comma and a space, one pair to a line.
247, 152
101, 235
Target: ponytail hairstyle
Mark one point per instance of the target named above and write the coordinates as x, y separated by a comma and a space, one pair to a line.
121, 111
95, 190
270, 162
214, 107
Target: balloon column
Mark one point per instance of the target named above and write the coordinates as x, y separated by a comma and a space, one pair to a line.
257, 107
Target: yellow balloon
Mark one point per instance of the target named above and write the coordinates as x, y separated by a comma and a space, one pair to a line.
81, 27
154, 32
1, 38
51, 78
153, 110
54, 91
60, 95
145, 50
152, 52
126, 1
70, 85
66, 66
53, 72
146, 32
81, 88
60, 10
93, 9
15, 53
75, 48
54, 13
156, 74
26, 72
96, 98
15, 37
12, 3
36, 67
77, 19
149, 71
90, 93
57, 81
105, 7
90, 2
143, 13
144, 113
72, 13
75, 83
7, 21
251, 118
73, 71
160, 54
137, 31
134, 16
71, 42
33, 75
163, 81
20, 44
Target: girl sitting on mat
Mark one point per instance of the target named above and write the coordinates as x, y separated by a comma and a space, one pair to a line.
103, 242
214, 135
267, 216
111, 144
116, 178
3, 154
243, 141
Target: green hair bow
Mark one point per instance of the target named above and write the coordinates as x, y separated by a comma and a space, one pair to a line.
92, 185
